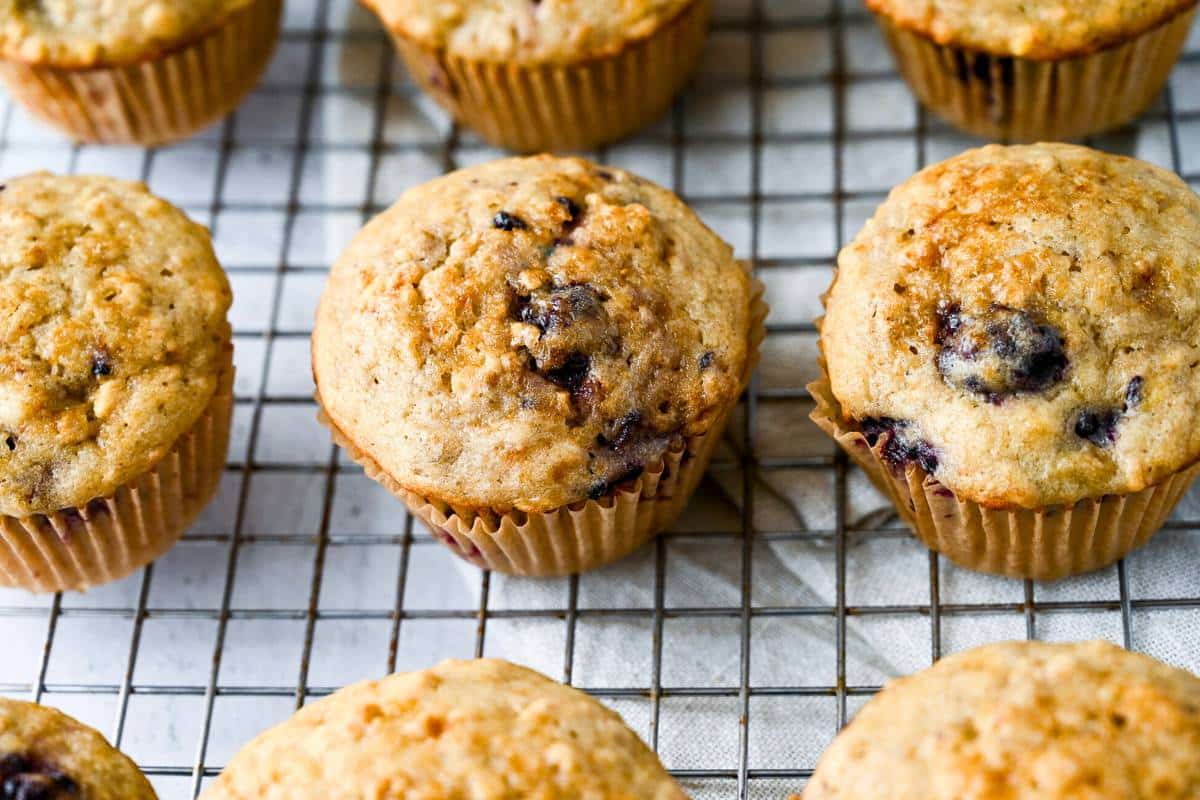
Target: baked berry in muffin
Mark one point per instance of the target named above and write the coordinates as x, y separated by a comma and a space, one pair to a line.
1023, 721
46, 755
115, 378
1020, 326
461, 729
521, 336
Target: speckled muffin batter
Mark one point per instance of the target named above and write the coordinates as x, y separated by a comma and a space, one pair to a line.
46, 755
88, 33
1035, 29
529, 333
112, 336
526, 31
1024, 324
1023, 721
485, 729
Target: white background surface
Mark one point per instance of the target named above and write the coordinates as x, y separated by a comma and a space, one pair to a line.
331, 582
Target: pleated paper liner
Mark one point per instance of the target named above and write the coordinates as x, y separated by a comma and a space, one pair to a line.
584, 535
1021, 100
1043, 544
570, 106
160, 100
110, 537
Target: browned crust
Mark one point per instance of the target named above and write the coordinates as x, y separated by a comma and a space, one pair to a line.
1044, 53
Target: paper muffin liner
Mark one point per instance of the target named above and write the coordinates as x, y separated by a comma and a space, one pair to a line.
566, 106
1022, 100
156, 101
583, 535
1043, 544
110, 537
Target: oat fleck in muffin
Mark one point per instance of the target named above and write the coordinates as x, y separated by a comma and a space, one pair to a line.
115, 378
479, 729
46, 755
1023, 721
134, 71
534, 75
1022, 326
525, 335
1029, 70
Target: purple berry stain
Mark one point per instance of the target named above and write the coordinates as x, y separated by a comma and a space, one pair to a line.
901, 446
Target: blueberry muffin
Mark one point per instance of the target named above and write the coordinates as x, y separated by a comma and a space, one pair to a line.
1011, 350
138, 71
1023, 721
538, 356
115, 378
46, 755
1030, 70
479, 729
541, 76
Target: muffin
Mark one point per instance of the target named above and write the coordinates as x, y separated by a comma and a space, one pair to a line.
46, 755
554, 75
477, 729
140, 72
1029, 70
538, 356
1023, 720
1010, 351
116, 378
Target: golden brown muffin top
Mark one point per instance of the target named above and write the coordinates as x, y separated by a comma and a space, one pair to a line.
530, 332
1023, 721
46, 754
528, 31
89, 33
1024, 322
484, 729
112, 336
1035, 29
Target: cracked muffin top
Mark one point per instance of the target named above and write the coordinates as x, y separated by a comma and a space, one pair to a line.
528, 31
1035, 29
1024, 323
91, 33
112, 336
46, 755
478, 729
530, 332
1023, 721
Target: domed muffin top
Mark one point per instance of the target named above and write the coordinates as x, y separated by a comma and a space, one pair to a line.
112, 336
91, 33
46, 755
1024, 323
462, 729
1023, 721
1035, 29
528, 31
530, 332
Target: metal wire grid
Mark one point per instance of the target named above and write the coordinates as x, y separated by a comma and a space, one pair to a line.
186, 696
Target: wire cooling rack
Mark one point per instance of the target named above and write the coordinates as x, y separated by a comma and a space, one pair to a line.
736, 645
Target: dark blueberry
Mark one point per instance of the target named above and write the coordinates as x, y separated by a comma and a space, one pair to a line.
706, 360
999, 353
1133, 393
900, 445
604, 175
601, 488
622, 431
101, 363
11, 442
1098, 426
572, 374
570, 205
559, 307
508, 222
22, 778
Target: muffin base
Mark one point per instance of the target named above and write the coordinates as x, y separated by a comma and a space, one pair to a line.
1042, 544
583, 535
110, 537
573, 106
160, 100
1021, 100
